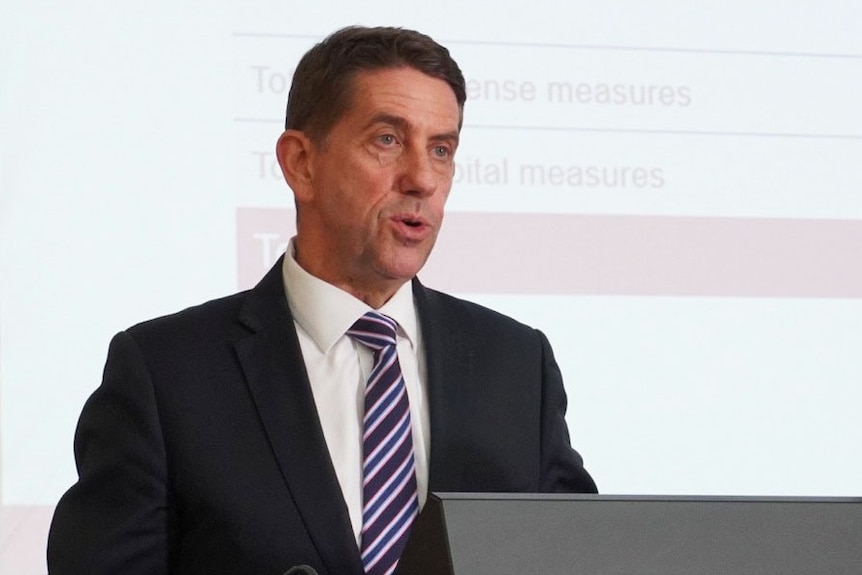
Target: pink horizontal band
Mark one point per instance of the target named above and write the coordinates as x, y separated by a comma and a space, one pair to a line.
23, 537
615, 255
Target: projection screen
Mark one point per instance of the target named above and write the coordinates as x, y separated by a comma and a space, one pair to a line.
671, 192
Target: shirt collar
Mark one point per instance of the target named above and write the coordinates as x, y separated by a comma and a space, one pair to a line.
326, 312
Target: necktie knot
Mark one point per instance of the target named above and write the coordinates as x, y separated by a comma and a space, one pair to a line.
374, 330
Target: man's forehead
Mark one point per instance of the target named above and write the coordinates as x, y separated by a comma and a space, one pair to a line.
407, 79
384, 94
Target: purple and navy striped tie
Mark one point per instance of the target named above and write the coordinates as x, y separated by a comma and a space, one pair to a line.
390, 499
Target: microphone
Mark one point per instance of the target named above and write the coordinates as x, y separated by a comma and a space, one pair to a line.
301, 570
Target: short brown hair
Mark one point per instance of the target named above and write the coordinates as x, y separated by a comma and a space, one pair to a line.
323, 80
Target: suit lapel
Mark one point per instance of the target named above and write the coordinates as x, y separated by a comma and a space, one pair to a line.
448, 373
272, 362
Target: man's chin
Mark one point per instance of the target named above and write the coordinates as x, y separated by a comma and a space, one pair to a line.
404, 267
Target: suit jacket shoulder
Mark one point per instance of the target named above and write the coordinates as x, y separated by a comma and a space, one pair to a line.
201, 452
497, 402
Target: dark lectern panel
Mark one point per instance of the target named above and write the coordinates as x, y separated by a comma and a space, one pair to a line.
600, 535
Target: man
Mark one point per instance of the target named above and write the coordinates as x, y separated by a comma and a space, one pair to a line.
232, 437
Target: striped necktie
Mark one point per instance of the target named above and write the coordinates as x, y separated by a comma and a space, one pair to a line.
389, 493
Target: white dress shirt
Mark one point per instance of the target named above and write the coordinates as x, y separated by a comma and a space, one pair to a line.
338, 368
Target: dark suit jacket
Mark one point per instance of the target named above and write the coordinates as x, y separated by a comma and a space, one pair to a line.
201, 452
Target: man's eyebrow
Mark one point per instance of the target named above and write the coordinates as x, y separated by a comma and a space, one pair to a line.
389, 119
453, 136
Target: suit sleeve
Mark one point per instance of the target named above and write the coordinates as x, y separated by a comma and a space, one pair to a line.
116, 518
562, 467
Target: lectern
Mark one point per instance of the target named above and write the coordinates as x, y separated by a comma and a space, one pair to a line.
502, 534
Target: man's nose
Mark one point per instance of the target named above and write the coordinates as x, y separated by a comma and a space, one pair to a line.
421, 173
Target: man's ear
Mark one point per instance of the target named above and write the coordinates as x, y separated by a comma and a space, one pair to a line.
294, 150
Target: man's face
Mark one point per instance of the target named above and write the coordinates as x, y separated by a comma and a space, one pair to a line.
378, 182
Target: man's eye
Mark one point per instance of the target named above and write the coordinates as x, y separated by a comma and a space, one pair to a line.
442, 152
387, 139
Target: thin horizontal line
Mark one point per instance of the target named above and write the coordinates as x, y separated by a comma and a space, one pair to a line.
259, 120
673, 132
665, 49
591, 47
716, 133
278, 35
